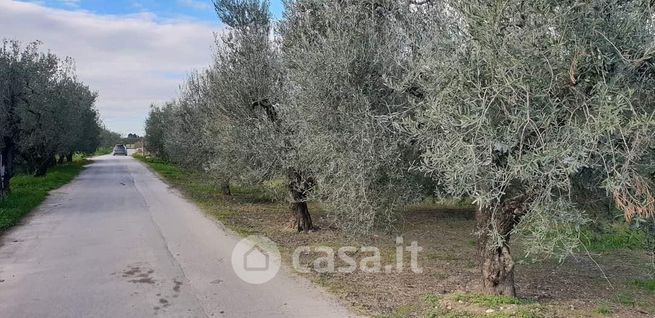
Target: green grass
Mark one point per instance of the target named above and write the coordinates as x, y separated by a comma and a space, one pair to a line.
626, 299
488, 300
604, 310
614, 237
164, 168
204, 190
27, 192
646, 284
450, 315
400, 312
524, 309
103, 151
520, 313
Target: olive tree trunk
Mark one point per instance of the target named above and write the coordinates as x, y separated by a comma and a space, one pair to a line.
42, 167
4, 175
298, 187
226, 188
69, 157
6, 167
496, 264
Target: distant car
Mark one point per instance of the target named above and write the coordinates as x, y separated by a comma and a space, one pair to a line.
120, 150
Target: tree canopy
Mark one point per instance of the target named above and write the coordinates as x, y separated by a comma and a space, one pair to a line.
368, 106
45, 111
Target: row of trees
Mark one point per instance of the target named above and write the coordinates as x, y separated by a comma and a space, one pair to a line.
108, 139
45, 111
367, 106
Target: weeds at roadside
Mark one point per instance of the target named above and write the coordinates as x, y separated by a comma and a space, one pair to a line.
27, 192
103, 151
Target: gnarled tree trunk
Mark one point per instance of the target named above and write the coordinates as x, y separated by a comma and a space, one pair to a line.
298, 187
4, 176
303, 219
43, 166
69, 157
496, 264
226, 188
6, 167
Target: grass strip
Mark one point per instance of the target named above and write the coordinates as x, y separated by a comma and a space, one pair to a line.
28, 192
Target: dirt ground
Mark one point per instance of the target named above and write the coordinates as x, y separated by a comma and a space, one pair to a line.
581, 286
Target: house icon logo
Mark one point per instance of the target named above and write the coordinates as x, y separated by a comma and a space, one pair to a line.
256, 259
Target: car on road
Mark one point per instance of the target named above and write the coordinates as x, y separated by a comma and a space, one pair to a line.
120, 150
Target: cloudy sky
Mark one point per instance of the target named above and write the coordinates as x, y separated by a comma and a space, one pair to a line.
132, 52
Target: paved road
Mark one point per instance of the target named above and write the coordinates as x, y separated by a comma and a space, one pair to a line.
118, 242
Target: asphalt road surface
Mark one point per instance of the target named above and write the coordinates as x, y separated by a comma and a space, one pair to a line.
118, 242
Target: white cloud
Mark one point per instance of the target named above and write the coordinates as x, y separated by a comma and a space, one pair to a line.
71, 3
131, 60
196, 4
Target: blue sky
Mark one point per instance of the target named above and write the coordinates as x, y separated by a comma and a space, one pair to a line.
132, 52
166, 9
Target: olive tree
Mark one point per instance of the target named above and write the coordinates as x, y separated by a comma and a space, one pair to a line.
197, 132
183, 144
44, 110
7, 150
224, 140
520, 98
21, 71
26, 79
61, 119
341, 59
247, 90
108, 138
157, 126
78, 121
